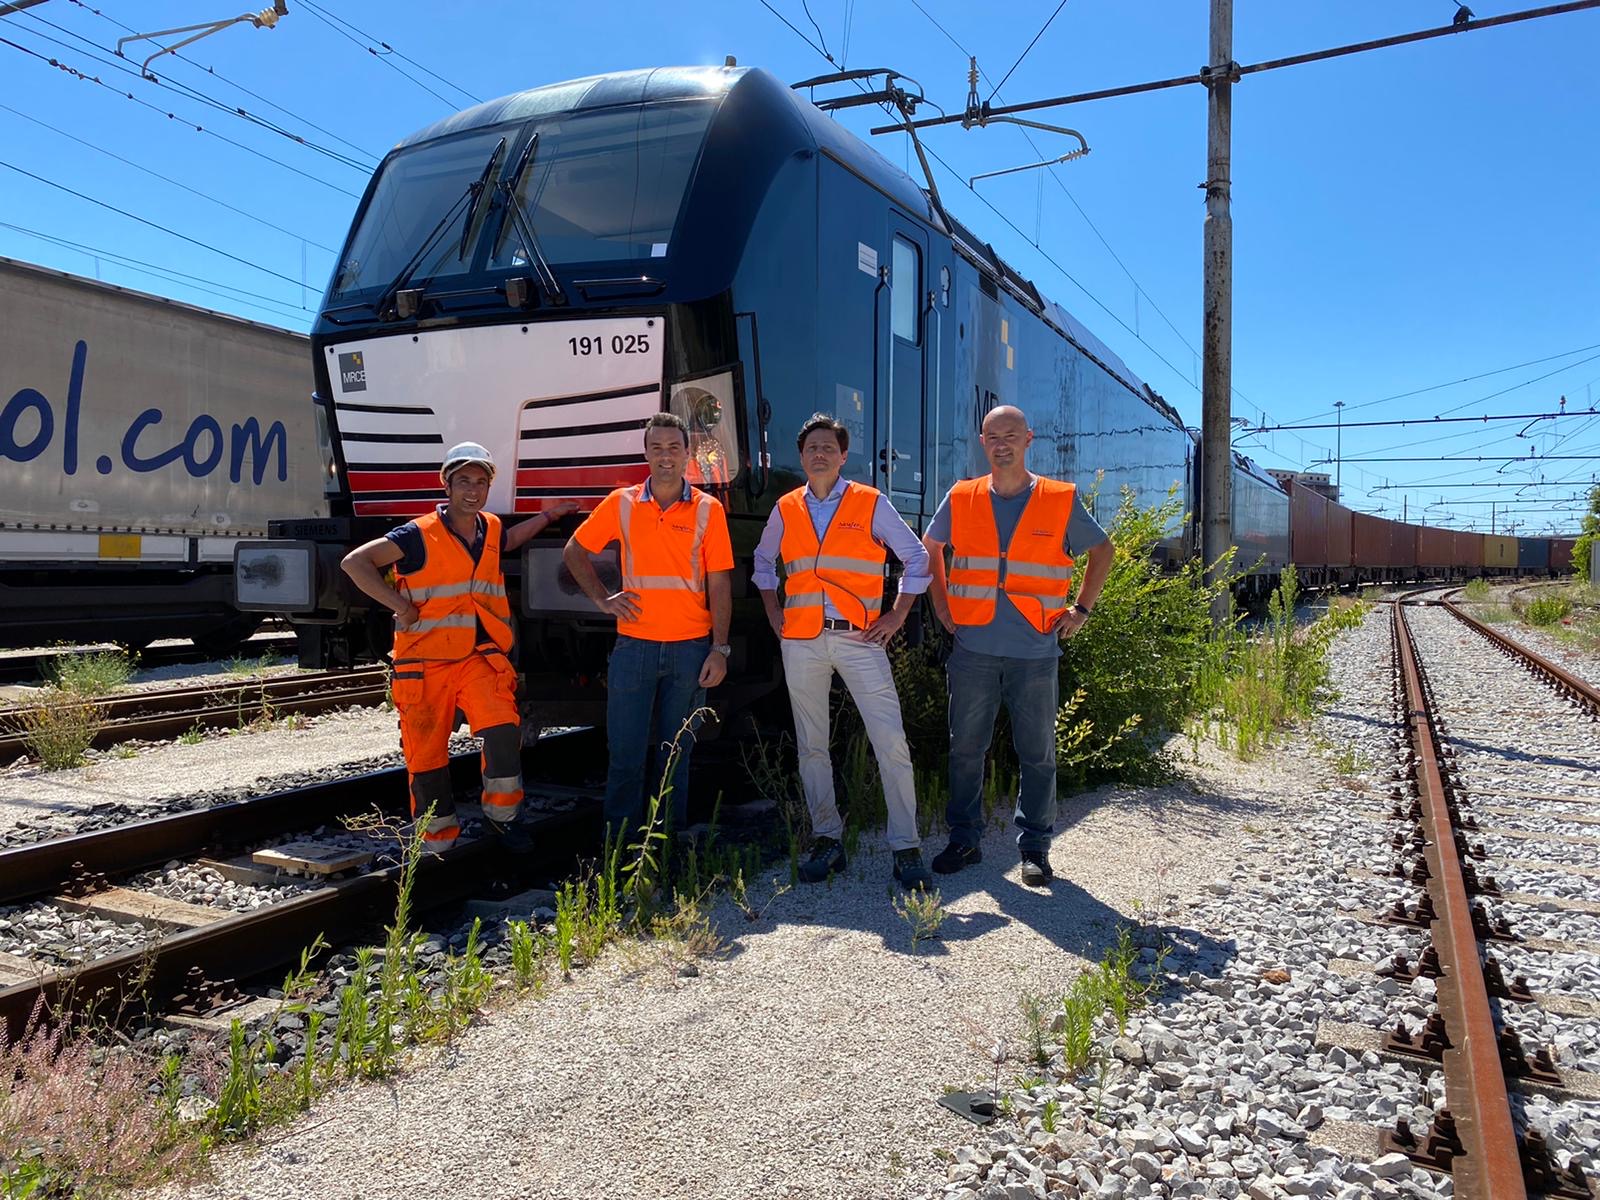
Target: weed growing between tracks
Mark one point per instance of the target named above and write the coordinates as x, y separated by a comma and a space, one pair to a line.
1250, 687
61, 723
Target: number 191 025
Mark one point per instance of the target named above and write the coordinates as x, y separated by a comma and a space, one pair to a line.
617, 343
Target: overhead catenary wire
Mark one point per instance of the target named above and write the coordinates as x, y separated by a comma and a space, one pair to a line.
233, 83
255, 266
344, 29
1434, 387
84, 77
1553, 10
1569, 412
1053, 170
187, 90
1048, 22
228, 291
299, 237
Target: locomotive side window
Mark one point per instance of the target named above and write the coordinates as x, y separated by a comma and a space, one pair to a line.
906, 280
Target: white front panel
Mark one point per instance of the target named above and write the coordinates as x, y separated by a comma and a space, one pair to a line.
558, 404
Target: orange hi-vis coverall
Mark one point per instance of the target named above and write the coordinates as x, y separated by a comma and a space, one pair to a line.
454, 657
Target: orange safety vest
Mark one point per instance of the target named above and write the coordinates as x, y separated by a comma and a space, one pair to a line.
453, 594
1038, 569
846, 567
673, 607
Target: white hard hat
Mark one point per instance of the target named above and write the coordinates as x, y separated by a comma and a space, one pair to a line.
464, 454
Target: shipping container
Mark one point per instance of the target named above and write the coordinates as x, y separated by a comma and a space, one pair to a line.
1339, 536
1561, 555
1499, 552
1468, 552
1308, 526
1403, 545
140, 440
1435, 547
1369, 540
1533, 554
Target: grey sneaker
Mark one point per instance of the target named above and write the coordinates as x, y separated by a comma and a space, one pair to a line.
1036, 870
908, 869
827, 858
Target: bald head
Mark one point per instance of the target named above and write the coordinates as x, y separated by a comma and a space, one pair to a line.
1005, 415
1006, 438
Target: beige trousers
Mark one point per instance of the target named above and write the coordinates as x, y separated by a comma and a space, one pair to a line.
809, 665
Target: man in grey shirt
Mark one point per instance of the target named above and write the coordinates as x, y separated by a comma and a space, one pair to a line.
1015, 537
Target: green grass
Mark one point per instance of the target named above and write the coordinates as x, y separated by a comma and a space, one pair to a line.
1547, 609
96, 674
240, 667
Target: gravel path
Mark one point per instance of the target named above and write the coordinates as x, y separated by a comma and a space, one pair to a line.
804, 1061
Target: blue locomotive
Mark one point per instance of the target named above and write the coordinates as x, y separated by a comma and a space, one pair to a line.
541, 272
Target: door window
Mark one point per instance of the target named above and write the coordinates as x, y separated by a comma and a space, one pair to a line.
906, 283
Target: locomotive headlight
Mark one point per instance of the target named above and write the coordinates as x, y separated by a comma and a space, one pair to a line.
707, 404
274, 576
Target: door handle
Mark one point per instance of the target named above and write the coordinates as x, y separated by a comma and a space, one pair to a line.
888, 455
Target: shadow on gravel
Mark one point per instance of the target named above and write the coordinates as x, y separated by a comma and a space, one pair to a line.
1520, 756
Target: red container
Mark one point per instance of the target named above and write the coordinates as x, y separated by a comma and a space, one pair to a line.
1369, 540
1468, 550
1435, 547
1339, 536
1561, 555
1308, 526
1403, 544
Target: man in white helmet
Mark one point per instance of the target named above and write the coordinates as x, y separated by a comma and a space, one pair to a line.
452, 640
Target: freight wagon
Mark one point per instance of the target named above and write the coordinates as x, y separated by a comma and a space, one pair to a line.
140, 441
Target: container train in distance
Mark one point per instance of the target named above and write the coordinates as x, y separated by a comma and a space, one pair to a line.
140, 440
541, 272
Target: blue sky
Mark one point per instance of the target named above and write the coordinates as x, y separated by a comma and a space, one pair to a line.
1403, 219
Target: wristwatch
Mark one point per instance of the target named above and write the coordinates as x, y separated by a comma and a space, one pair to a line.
725, 650
1082, 609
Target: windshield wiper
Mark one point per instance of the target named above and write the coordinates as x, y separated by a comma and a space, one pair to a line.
548, 283
469, 197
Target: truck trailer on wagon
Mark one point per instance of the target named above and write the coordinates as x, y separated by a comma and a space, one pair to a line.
141, 440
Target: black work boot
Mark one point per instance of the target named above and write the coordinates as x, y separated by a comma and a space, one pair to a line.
908, 869
955, 856
1036, 870
827, 858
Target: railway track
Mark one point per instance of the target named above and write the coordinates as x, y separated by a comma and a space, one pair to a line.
33, 666
157, 715
196, 953
1478, 1134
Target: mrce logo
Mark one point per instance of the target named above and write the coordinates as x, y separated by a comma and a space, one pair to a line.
352, 372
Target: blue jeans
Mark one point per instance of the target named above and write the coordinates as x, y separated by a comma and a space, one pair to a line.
977, 685
651, 688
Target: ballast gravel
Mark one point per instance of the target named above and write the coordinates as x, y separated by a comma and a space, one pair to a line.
809, 1058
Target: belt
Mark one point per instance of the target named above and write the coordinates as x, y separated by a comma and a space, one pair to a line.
835, 623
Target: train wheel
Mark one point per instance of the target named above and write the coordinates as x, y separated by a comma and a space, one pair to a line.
227, 638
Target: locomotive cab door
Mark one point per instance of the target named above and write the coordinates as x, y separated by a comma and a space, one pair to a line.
902, 338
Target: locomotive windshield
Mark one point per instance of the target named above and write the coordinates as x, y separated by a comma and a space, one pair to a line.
600, 186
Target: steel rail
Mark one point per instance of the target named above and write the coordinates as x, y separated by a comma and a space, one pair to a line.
1558, 677
44, 867
160, 715
120, 986
21, 668
41, 868
160, 701
1475, 1082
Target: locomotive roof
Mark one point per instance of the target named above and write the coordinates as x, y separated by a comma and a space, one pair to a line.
665, 84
